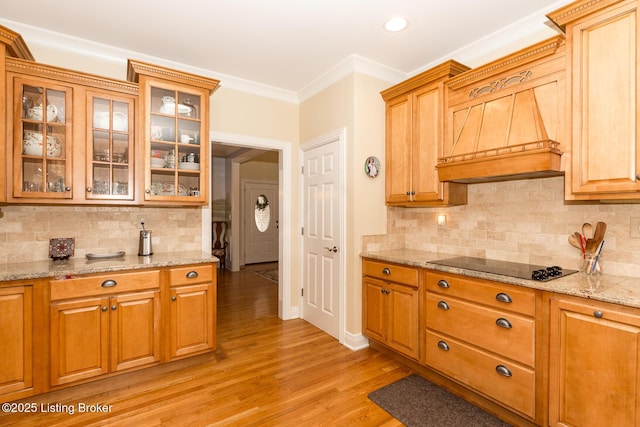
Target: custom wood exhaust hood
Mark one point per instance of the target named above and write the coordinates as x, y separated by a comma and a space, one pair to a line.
505, 120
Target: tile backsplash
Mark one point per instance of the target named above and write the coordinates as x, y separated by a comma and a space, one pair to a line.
522, 221
25, 230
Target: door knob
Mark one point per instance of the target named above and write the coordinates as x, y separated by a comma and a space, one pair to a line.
333, 249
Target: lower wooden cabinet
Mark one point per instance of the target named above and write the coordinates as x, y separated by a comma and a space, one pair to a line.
16, 336
92, 336
391, 306
594, 364
483, 334
192, 319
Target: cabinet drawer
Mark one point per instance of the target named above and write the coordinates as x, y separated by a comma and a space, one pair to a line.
391, 272
499, 295
104, 284
191, 275
480, 371
504, 333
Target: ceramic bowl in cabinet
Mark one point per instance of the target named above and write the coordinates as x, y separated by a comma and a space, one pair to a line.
101, 120
32, 145
35, 113
189, 166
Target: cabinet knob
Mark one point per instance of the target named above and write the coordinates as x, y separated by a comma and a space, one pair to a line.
147, 191
104, 308
502, 297
192, 274
173, 298
114, 307
638, 176
443, 284
503, 370
503, 323
443, 346
89, 189
598, 314
443, 305
386, 271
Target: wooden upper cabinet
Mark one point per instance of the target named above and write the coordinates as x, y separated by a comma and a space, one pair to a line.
71, 138
174, 133
110, 150
42, 138
603, 44
414, 138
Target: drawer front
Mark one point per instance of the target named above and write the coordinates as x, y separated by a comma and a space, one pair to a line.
106, 284
501, 332
391, 272
483, 372
498, 295
200, 273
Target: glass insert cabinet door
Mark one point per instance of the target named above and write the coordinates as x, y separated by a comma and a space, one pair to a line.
110, 148
174, 144
42, 140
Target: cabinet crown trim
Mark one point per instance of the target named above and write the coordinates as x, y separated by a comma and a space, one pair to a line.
445, 70
15, 44
135, 68
68, 76
524, 56
577, 10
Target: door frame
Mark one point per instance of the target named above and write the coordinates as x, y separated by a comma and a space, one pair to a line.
339, 136
284, 148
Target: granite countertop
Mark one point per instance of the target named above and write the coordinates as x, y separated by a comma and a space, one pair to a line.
77, 266
607, 288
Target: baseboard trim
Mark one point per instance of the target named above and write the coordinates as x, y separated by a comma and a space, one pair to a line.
355, 342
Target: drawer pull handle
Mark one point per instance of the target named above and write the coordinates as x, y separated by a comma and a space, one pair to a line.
443, 284
443, 346
192, 274
503, 323
386, 271
104, 308
503, 370
110, 283
598, 314
443, 305
502, 297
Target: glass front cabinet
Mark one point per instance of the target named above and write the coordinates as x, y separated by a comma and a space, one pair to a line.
110, 147
174, 117
42, 160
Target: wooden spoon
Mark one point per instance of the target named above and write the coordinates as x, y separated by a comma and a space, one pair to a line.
574, 240
587, 230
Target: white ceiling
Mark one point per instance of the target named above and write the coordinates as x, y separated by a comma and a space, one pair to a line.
285, 44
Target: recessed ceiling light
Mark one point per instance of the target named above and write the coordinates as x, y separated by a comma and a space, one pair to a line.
396, 24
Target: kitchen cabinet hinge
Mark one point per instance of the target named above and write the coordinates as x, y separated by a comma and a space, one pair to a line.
302, 292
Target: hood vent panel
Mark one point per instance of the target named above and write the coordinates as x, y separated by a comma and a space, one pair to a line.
507, 127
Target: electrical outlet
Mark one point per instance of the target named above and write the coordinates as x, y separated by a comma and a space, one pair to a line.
635, 228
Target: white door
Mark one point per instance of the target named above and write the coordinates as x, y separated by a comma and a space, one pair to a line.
322, 236
260, 222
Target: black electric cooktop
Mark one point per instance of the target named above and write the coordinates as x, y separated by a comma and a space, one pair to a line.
506, 268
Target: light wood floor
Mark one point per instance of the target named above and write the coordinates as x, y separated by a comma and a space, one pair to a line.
265, 372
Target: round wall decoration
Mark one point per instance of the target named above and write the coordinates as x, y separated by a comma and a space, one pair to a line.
372, 166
